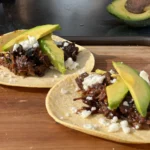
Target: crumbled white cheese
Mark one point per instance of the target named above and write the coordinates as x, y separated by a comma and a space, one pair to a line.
111, 71
137, 127
114, 119
131, 100
15, 47
85, 113
114, 127
63, 91
126, 130
32, 40
29, 43
88, 126
66, 44
124, 123
55, 76
74, 110
93, 108
89, 98
145, 76
70, 64
113, 80
92, 79
125, 103
35, 45
103, 122
25, 44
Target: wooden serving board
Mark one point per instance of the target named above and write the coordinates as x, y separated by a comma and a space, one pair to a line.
25, 124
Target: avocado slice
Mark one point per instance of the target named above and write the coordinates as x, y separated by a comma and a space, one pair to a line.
122, 10
38, 32
99, 71
55, 54
139, 88
116, 93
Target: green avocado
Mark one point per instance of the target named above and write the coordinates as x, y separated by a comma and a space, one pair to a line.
55, 54
116, 93
138, 87
101, 72
38, 32
118, 8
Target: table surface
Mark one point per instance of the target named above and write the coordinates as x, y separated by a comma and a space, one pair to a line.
25, 123
77, 18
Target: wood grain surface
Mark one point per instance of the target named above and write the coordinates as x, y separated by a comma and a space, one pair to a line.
25, 124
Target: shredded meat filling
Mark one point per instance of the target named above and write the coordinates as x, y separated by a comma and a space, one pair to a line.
70, 50
26, 63
99, 100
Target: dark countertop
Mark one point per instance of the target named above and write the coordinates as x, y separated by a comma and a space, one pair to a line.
84, 20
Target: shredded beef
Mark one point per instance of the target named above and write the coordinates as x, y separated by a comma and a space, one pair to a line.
69, 51
99, 100
26, 63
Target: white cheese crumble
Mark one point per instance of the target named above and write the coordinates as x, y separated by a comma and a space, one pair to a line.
114, 127
85, 113
126, 130
55, 76
145, 76
137, 127
111, 71
124, 123
113, 80
29, 43
103, 122
114, 119
93, 108
88, 126
70, 64
89, 98
63, 91
66, 44
15, 47
125, 103
92, 79
74, 110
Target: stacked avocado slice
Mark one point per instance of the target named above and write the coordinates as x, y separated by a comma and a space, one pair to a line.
128, 79
43, 34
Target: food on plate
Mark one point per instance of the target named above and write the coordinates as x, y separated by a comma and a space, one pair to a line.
133, 12
113, 104
36, 58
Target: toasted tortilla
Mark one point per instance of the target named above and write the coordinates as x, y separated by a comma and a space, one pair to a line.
59, 107
85, 59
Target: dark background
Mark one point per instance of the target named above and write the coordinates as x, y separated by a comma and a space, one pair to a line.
81, 20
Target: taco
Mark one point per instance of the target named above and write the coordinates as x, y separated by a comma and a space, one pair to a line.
38, 65
113, 104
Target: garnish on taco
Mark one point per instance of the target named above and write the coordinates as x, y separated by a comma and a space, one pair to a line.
113, 104
36, 58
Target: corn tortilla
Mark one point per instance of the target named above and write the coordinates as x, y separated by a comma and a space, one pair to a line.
85, 59
58, 105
